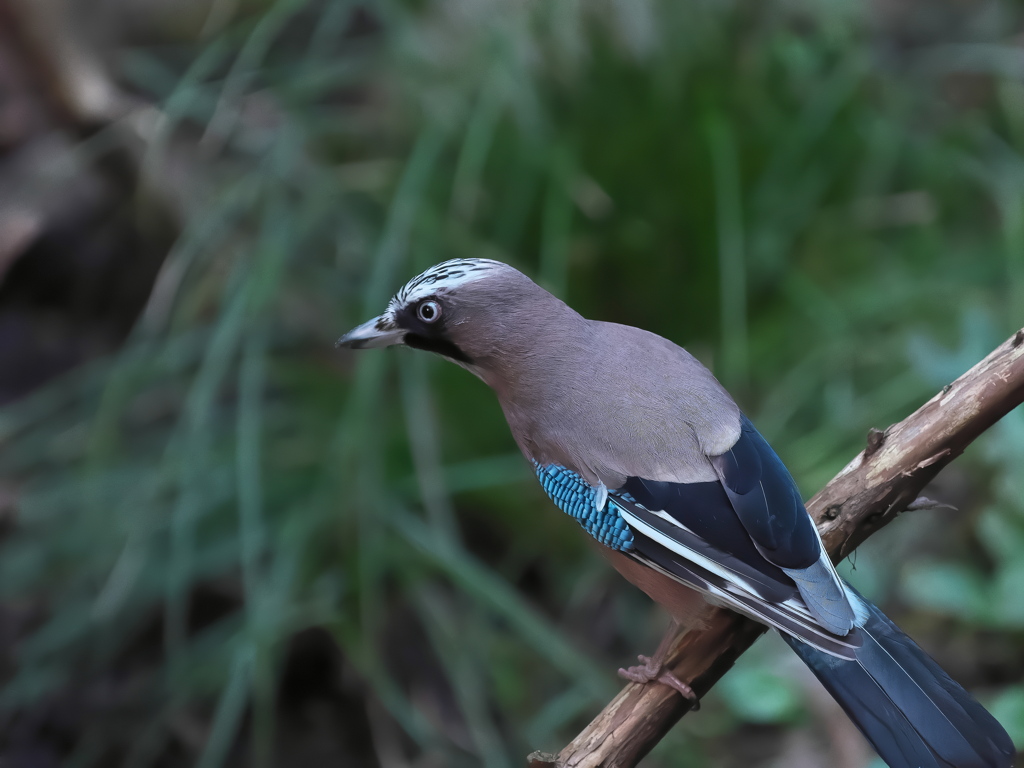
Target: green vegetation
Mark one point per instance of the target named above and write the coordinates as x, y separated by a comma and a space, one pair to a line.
831, 218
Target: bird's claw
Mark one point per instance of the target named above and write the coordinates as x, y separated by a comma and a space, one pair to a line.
652, 671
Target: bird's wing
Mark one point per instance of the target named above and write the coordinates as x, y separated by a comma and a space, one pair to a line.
753, 587
767, 503
765, 498
750, 528
690, 533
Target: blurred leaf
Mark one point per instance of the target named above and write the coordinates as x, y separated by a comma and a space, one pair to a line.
759, 695
1002, 534
948, 588
1008, 595
1008, 709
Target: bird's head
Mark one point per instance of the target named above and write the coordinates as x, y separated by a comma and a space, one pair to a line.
475, 312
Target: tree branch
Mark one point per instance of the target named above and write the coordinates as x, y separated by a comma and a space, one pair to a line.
883, 480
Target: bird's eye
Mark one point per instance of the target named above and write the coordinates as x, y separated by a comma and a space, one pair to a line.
429, 311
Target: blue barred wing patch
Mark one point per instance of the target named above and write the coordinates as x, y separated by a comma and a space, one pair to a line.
577, 498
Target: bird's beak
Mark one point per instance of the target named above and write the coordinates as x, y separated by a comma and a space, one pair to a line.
379, 332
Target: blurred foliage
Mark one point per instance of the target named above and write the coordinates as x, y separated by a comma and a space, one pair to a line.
828, 215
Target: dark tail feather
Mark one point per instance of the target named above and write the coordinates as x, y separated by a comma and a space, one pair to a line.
913, 713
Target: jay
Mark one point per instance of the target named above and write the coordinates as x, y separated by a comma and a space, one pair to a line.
635, 439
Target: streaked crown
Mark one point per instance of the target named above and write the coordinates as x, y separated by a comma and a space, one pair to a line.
446, 276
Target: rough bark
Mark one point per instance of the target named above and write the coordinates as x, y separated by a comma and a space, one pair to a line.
883, 480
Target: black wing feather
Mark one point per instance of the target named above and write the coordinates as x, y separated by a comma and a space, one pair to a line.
765, 498
754, 513
768, 582
706, 510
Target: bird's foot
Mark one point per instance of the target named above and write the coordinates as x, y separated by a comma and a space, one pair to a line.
653, 671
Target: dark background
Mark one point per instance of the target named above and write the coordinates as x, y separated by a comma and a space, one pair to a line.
223, 543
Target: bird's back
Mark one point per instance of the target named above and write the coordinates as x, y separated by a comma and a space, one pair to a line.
612, 401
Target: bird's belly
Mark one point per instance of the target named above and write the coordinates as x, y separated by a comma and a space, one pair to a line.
687, 606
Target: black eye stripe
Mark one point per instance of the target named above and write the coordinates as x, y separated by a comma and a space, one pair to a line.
428, 335
439, 346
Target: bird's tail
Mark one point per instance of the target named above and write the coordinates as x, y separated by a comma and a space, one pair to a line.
913, 713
